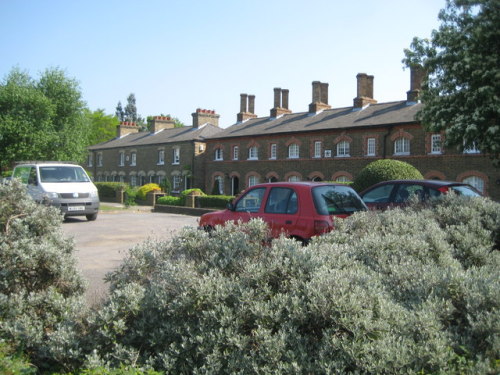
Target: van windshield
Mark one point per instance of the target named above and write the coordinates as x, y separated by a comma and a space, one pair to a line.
63, 174
334, 200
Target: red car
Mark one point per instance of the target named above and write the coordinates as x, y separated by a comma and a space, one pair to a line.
301, 210
397, 193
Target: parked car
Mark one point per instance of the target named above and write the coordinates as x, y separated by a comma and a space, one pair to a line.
62, 185
300, 210
397, 193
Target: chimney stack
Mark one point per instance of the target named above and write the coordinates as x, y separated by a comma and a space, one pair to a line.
319, 97
417, 75
162, 122
205, 116
364, 90
280, 103
246, 101
126, 127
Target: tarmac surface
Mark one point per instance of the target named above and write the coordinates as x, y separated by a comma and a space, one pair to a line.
102, 244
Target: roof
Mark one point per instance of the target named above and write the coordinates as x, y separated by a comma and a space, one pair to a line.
174, 135
337, 118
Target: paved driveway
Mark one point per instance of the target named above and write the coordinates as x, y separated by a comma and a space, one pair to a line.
102, 244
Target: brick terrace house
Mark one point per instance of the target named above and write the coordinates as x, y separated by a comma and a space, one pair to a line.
166, 152
334, 144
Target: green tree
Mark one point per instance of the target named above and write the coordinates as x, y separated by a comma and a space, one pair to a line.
462, 61
102, 127
41, 119
129, 113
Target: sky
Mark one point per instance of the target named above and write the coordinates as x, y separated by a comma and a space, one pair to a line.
180, 55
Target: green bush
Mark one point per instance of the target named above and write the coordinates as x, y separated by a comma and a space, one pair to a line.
384, 170
214, 201
145, 189
171, 201
403, 291
109, 189
12, 363
185, 193
41, 291
130, 196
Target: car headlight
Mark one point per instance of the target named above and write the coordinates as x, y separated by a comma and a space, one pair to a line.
52, 195
94, 194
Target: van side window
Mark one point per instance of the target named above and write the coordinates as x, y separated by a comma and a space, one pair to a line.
281, 201
32, 180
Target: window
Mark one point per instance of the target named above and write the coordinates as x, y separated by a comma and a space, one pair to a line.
251, 201
342, 179
99, 160
176, 155
219, 185
133, 158
252, 180
476, 182
121, 157
370, 147
90, 160
236, 152
435, 143
161, 157
472, 149
133, 180
273, 151
380, 194
328, 153
281, 201
293, 179
402, 146
343, 149
293, 151
253, 153
317, 149
219, 154
177, 183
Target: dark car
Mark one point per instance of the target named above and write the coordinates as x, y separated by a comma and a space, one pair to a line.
397, 193
300, 210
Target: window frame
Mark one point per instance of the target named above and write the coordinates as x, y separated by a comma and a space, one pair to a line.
273, 151
293, 151
343, 149
371, 146
251, 151
219, 154
317, 149
403, 144
176, 155
436, 138
236, 152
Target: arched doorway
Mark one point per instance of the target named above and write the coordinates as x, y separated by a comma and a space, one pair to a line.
235, 185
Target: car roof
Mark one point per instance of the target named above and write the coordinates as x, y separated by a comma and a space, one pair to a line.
297, 183
435, 183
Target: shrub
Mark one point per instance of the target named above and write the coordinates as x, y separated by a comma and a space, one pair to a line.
130, 196
109, 189
185, 193
41, 291
171, 201
384, 170
385, 293
145, 189
214, 201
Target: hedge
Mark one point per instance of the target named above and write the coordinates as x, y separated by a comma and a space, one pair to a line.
214, 201
109, 189
171, 201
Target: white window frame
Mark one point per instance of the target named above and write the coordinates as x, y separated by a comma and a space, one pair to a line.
90, 160
99, 160
294, 151
371, 147
161, 157
436, 147
221, 184
133, 158
472, 150
293, 179
475, 181
342, 178
343, 149
252, 180
121, 158
133, 180
236, 152
402, 146
273, 151
176, 183
317, 149
253, 153
176, 156
219, 154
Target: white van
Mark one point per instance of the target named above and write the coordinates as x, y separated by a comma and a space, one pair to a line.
60, 184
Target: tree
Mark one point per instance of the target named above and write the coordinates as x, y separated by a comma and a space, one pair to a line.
102, 127
462, 61
129, 113
119, 112
41, 119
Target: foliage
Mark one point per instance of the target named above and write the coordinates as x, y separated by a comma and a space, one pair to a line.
404, 291
462, 60
131, 196
41, 291
171, 201
214, 201
166, 186
129, 113
41, 119
384, 170
109, 189
102, 127
177, 123
145, 189
12, 363
185, 193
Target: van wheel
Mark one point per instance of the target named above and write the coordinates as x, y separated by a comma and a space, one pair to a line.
91, 217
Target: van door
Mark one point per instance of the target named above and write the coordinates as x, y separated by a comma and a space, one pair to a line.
34, 188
